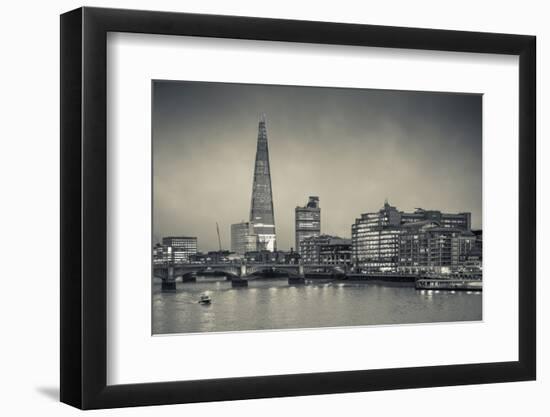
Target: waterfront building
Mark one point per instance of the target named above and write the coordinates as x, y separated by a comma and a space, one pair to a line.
179, 249
328, 248
198, 258
310, 246
278, 257
292, 257
428, 247
463, 248
158, 254
243, 238
474, 260
376, 239
307, 221
336, 252
261, 209
220, 257
479, 239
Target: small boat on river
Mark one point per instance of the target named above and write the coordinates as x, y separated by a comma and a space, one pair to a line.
205, 299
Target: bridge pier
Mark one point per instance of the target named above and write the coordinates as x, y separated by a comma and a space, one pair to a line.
239, 282
297, 280
169, 284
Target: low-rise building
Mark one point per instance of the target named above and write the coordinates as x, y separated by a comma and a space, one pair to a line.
460, 221
336, 252
428, 247
327, 249
220, 257
292, 257
158, 254
267, 257
178, 249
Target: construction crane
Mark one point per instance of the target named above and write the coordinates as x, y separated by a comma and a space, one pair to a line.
219, 240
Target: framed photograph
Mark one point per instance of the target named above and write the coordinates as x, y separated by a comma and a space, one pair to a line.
255, 208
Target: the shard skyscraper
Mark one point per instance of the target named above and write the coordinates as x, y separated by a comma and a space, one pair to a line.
261, 207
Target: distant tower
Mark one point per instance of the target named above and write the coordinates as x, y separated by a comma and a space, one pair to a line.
261, 207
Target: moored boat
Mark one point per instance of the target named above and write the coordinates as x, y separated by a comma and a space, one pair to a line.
452, 284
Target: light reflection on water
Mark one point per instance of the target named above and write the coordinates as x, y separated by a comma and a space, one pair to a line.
273, 304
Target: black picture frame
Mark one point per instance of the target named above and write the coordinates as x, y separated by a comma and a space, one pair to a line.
84, 207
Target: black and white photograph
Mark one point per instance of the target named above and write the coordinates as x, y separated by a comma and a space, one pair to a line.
297, 207
263, 209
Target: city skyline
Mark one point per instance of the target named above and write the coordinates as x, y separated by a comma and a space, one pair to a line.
415, 149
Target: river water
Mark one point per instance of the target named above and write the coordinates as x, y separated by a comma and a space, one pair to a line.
273, 304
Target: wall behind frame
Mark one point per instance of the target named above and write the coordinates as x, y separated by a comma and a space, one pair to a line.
29, 173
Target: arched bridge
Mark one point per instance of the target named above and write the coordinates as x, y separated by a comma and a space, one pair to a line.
238, 273
173, 271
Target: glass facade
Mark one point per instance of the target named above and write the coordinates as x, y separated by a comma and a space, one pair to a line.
243, 238
261, 208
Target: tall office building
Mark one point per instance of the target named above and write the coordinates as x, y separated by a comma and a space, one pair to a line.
261, 207
307, 221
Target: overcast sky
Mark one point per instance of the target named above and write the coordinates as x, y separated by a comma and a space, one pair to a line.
351, 147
